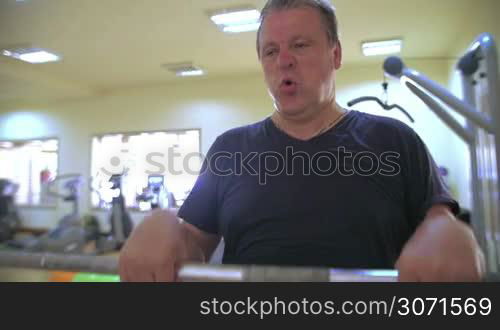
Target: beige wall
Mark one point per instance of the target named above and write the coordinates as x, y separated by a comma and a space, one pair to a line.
214, 105
484, 20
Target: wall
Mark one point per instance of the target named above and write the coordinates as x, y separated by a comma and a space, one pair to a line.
484, 19
214, 105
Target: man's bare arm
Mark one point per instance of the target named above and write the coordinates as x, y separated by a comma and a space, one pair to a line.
160, 245
198, 239
441, 249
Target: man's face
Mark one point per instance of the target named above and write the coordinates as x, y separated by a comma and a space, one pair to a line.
299, 62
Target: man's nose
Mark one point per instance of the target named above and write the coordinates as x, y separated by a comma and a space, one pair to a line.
286, 60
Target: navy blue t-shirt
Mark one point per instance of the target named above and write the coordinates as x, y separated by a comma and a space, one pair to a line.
350, 197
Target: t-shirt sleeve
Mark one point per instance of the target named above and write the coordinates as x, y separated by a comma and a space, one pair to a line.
424, 186
201, 206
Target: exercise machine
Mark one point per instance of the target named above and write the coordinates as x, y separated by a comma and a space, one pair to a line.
73, 232
156, 194
383, 104
9, 217
119, 220
480, 106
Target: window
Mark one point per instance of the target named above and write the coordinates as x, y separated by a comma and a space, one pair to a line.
32, 165
169, 158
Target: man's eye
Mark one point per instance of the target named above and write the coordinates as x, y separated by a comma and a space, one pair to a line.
269, 52
300, 45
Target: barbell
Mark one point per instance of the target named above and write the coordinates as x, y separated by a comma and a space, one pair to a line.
191, 272
197, 272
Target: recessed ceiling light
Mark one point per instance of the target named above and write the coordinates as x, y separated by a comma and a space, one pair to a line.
31, 55
184, 69
374, 48
236, 20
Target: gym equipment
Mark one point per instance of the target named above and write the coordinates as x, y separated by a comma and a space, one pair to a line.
204, 272
9, 218
480, 107
156, 193
384, 104
73, 232
195, 272
120, 221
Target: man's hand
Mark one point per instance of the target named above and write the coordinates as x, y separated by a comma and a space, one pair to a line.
441, 249
156, 249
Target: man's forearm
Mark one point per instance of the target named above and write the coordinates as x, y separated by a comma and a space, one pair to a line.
440, 218
200, 245
441, 249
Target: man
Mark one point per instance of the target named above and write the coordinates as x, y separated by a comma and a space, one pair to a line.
293, 188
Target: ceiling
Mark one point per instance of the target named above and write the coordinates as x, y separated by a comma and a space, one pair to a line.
112, 44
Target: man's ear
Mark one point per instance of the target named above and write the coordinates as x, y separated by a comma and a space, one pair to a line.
337, 55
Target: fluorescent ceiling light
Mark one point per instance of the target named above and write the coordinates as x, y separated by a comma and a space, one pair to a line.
241, 28
236, 17
381, 47
31, 55
237, 20
190, 73
39, 57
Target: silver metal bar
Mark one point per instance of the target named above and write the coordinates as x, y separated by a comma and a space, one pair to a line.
479, 73
477, 216
198, 272
372, 275
489, 52
395, 67
442, 114
206, 272
54, 261
444, 95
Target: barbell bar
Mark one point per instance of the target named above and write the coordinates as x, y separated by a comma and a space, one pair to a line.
195, 272
203, 272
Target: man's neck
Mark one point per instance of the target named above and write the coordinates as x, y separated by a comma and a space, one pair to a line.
305, 128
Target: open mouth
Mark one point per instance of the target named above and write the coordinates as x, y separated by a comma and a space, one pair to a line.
287, 82
288, 86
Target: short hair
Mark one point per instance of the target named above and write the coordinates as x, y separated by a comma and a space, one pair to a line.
324, 7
